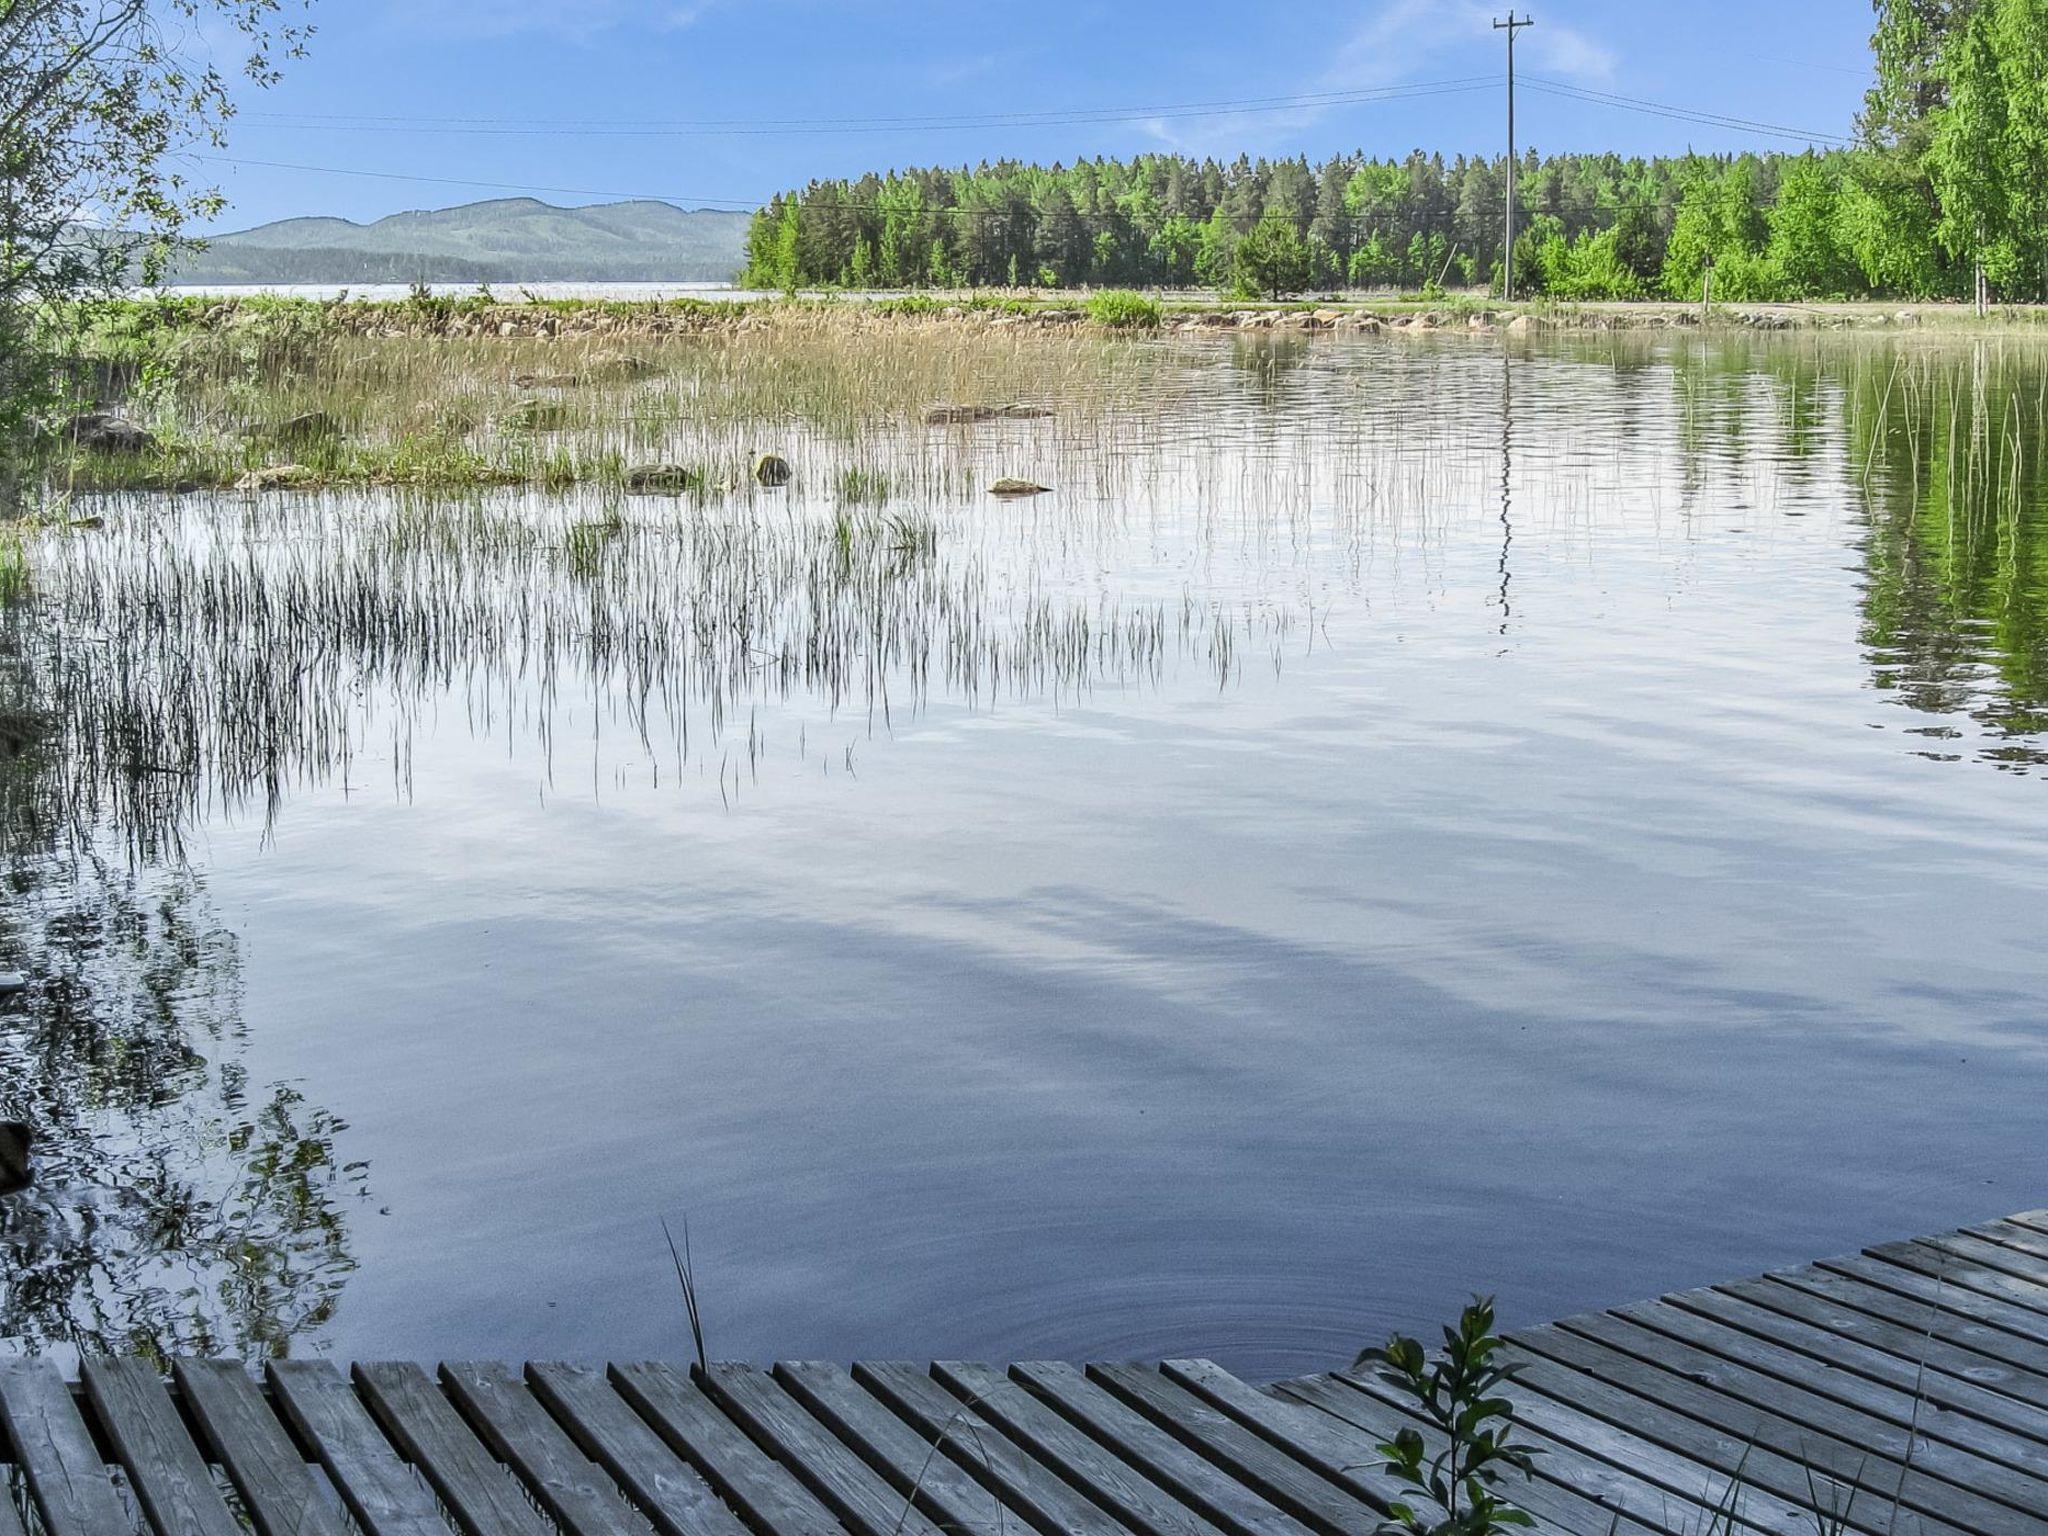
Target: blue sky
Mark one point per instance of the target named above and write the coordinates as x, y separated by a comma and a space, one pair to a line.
726, 101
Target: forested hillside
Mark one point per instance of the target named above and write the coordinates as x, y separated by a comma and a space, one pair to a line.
1950, 169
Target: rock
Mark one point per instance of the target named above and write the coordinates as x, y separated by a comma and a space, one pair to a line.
12, 982
276, 477
1329, 316
16, 1143
535, 416
1008, 487
622, 368
664, 477
106, 432
1527, 325
773, 469
306, 427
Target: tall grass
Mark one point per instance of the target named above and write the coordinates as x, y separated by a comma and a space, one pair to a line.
14, 580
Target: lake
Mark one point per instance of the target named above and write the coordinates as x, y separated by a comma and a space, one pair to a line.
1396, 820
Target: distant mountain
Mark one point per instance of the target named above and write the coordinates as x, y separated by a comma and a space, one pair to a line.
510, 240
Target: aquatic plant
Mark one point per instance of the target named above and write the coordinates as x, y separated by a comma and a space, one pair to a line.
1459, 1394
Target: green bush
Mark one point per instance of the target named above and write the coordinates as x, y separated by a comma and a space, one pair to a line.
1121, 310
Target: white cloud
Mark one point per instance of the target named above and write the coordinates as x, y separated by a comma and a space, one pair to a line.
1403, 42
1405, 35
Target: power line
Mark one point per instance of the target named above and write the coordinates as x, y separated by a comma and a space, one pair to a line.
1685, 114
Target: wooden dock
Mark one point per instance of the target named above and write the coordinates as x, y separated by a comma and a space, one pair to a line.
1906, 1386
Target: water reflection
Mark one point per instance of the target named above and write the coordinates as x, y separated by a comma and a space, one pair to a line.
202, 663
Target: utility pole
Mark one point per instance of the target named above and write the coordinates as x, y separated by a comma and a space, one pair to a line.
1511, 26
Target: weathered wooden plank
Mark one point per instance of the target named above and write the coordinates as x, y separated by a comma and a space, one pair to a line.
1193, 1478
383, 1493
1141, 1503
1337, 1452
1780, 1452
484, 1497
169, 1476
1925, 1283
1281, 1479
1907, 1329
1869, 1420
911, 1464
66, 1476
1959, 1272
1695, 1469
1813, 1348
1831, 1381
1694, 1460
2022, 1267
1556, 1504
2034, 1220
669, 1491
520, 1433
10, 1520
820, 1461
697, 1429
2012, 1234
991, 1457
269, 1472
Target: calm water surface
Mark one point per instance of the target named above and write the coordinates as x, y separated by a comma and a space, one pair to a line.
1393, 822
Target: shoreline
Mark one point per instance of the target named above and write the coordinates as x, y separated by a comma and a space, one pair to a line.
539, 318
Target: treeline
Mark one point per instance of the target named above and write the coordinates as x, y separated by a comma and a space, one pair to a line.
1951, 173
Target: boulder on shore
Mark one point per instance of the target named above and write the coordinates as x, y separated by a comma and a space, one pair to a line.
970, 415
622, 368
773, 469
276, 477
664, 477
107, 432
306, 427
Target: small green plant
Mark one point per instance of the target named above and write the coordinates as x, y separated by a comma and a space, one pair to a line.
1122, 310
13, 571
1459, 1394
863, 487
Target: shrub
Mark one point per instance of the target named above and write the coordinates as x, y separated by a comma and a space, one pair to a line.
1122, 310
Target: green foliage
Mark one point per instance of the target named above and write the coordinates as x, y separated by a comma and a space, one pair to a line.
97, 102
1459, 1395
1806, 249
1720, 224
14, 585
1588, 268
1121, 310
1271, 262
